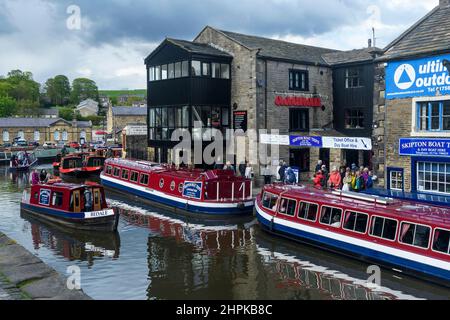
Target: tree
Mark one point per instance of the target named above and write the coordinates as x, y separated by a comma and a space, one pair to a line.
67, 113
57, 90
83, 89
23, 86
7, 107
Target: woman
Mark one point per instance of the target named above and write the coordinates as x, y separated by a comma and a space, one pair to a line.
34, 177
42, 176
334, 182
347, 181
318, 180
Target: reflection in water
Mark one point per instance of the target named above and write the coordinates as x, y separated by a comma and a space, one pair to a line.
160, 255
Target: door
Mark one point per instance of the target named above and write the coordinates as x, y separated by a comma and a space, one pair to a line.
97, 200
76, 201
325, 157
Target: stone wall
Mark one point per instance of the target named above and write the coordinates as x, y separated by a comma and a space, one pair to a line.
379, 117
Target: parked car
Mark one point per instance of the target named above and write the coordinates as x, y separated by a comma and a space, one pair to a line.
49, 145
74, 145
7, 145
33, 144
20, 143
60, 144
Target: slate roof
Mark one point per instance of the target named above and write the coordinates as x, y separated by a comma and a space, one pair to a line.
200, 48
352, 56
84, 124
431, 34
37, 123
129, 111
277, 49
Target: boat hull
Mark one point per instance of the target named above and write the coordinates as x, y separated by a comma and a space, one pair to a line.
179, 205
70, 220
23, 169
383, 256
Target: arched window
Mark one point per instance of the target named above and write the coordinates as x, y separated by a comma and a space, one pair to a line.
83, 134
21, 135
37, 135
65, 136
56, 135
5, 136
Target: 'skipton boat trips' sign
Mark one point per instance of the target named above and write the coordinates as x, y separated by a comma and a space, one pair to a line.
424, 147
192, 190
417, 78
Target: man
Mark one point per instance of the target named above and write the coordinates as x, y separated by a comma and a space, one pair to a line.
242, 168
319, 166
290, 176
87, 200
282, 171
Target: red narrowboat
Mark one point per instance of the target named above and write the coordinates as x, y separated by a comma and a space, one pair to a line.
212, 193
410, 237
82, 207
81, 165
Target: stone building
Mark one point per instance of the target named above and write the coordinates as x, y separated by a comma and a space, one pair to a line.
412, 107
119, 117
88, 108
43, 130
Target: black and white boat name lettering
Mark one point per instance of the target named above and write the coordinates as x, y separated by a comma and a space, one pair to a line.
98, 214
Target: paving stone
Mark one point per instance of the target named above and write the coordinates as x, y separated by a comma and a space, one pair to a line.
47, 288
27, 272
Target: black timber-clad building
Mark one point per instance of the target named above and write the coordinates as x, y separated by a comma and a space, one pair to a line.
187, 82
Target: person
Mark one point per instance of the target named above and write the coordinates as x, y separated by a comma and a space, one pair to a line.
365, 175
42, 176
342, 171
248, 171
319, 165
358, 182
242, 168
229, 167
290, 176
335, 180
34, 177
347, 181
267, 173
282, 171
87, 200
63, 151
336, 221
48, 177
354, 167
325, 176
370, 180
318, 180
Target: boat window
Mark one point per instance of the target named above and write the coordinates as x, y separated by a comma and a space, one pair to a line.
2, 155
108, 170
308, 211
383, 228
96, 198
180, 188
57, 199
415, 235
125, 174
355, 221
270, 201
144, 179
134, 176
287, 207
161, 183
97, 162
116, 172
36, 195
441, 241
331, 216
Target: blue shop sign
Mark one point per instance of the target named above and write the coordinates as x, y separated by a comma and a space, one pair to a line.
417, 78
193, 190
300, 141
424, 147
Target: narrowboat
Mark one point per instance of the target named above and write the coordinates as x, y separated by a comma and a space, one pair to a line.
81, 165
22, 161
76, 206
214, 193
408, 237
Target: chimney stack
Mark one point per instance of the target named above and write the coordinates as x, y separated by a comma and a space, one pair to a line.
444, 3
370, 43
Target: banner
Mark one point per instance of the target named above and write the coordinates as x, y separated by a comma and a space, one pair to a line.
417, 78
193, 190
300, 141
347, 143
318, 142
275, 139
424, 147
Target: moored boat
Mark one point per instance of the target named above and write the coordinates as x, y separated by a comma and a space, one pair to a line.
81, 207
408, 237
81, 165
212, 193
22, 161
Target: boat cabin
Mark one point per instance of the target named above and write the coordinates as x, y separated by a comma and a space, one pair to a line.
69, 197
71, 162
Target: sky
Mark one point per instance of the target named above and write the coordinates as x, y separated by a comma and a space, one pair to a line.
108, 40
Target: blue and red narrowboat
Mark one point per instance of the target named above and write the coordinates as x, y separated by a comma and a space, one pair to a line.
409, 237
81, 165
76, 206
211, 193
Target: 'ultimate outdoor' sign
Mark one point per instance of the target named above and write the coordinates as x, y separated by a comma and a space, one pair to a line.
417, 78
424, 147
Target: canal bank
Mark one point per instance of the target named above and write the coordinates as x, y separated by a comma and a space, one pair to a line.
23, 276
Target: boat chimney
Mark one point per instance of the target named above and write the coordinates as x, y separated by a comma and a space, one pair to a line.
444, 3
370, 43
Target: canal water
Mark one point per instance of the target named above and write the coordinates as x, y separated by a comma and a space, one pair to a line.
156, 255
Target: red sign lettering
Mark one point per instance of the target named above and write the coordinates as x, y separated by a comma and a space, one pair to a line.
292, 101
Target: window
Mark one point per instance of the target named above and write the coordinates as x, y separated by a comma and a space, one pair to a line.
171, 71
287, 207
331, 216
158, 73
57, 199
354, 119
108, 170
134, 176
396, 180
383, 228
151, 73
151, 118
206, 69
185, 69
353, 78
308, 211
37, 135
116, 172
65, 136
433, 116
171, 117
298, 120
300, 158
270, 201
415, 235
21, 134
144, 179
215, 69
196, 68
56, 135
164, 73
83, 134
225, 117
298, 80
441, 241
125, 174
225, 71
178, 70
5, 136
433, 177
355, 221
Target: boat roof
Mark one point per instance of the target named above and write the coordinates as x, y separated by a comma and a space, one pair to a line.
394, 208
67, 186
